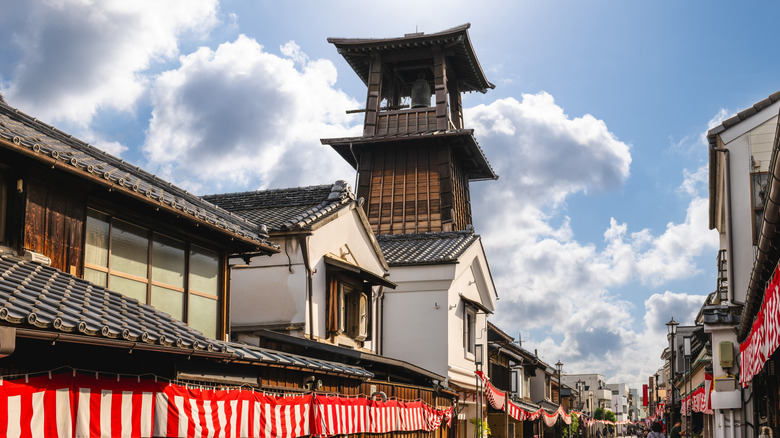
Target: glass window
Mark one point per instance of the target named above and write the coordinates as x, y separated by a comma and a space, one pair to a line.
168, 261
96, 251
153, 268
758, 189
203, 314
129, 249
204, 270
168, 301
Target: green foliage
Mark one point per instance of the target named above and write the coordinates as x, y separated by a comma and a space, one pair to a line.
598, 414
571, 429
609, 415
483, 429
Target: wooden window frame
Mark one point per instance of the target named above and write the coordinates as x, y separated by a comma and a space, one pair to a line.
185, 290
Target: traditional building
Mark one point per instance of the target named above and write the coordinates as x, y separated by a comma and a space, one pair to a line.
114, 312
757, 326
740, 152
414, 163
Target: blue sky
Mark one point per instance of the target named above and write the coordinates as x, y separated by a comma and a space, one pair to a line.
596, 231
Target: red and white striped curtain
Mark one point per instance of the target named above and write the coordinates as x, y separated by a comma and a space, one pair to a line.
78, 405
764, 337
498, 401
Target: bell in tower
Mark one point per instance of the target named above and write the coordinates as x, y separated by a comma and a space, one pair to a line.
415, 163
421, 92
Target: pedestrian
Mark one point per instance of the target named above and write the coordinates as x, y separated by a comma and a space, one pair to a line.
655, 431
598, 433
675, 432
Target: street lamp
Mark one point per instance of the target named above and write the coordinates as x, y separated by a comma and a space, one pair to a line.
580, 384
672, 328
559, 366
655, 396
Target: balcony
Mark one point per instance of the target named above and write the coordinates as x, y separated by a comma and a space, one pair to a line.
406, 121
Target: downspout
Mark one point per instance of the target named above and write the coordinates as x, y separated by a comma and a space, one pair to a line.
729, 234
380, 320
303, 241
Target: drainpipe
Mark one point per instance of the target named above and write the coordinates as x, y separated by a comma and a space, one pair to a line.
729, 235
303, 241
380, 320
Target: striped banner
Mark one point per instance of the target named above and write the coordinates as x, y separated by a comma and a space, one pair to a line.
764, 337
76, 405
498, 400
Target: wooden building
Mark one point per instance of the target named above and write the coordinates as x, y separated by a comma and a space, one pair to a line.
415, 158
114, 309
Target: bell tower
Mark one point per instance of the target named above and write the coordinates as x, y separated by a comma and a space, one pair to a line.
415, 159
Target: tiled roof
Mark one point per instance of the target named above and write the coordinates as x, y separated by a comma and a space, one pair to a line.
35, 139
36, 296
463, 59
470, 152
287, 209
425, 248
744, 114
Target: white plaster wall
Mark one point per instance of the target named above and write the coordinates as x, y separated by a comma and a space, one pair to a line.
415, 330
267, 292
756, 143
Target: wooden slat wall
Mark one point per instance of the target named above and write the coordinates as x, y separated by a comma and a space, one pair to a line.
54, 224
401, 187
461, 198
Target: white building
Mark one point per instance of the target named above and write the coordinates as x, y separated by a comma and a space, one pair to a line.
740, 150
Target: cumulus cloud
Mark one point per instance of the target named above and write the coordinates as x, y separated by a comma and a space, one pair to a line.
80, 56
239, 116
543, 157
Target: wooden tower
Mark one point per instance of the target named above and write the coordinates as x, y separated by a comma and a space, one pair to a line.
415, 159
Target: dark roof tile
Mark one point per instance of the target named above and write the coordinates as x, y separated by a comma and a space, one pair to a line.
296, 208
46, 143
425, 248
45, 298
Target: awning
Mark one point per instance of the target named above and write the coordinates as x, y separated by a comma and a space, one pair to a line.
365, 274
476, 304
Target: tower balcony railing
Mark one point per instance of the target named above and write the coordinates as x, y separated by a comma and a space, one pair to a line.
406, 121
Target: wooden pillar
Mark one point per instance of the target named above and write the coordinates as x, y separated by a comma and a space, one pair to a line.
440, 88
374, 97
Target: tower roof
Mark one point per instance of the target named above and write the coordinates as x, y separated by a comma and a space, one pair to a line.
462, 141
456, 41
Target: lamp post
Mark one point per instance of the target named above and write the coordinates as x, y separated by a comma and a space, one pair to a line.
580, 384
688, 383
655, 396
559, 366
478, 363
672, 329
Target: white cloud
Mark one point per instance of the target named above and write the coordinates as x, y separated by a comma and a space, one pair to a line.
543, 157
80, 56
239, 116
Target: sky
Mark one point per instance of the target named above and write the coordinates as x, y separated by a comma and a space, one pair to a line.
596, 231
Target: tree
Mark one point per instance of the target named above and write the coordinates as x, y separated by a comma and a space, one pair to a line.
571, 429
610, 416
598, 414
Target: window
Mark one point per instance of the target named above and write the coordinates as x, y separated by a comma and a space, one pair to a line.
758, 192
469, 329
349, 310
174, 276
